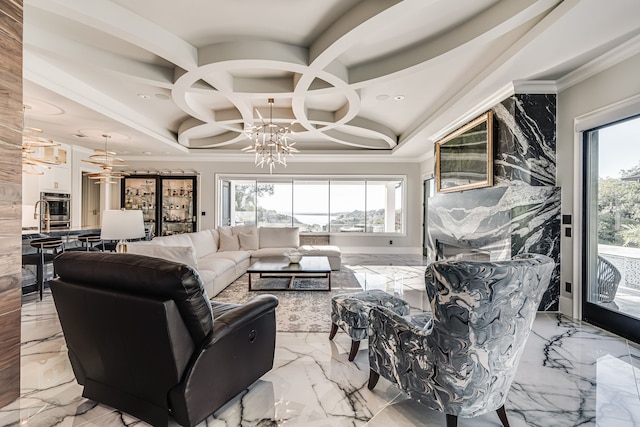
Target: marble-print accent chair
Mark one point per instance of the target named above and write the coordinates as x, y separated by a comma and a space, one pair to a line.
143, 337
464, 361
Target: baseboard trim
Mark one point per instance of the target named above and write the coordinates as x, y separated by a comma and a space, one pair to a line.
391, 250
566, 306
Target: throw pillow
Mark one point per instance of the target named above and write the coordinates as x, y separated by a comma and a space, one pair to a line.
279, 237
225, 229
248, 241
246, 229
229, 242
203, 243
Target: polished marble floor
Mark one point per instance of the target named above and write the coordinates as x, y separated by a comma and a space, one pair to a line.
571, 374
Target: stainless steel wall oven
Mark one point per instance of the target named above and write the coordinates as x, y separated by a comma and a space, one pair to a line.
59, 205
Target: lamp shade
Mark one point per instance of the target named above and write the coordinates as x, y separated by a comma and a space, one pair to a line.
122, 225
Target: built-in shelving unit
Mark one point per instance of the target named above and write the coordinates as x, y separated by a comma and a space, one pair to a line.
168, 204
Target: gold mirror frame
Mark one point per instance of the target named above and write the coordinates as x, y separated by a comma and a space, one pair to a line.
460, 154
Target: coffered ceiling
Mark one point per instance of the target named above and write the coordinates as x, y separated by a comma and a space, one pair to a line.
368, 79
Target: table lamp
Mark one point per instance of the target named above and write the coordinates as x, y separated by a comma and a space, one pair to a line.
121, 225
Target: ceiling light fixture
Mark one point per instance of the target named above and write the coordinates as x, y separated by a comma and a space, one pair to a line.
106, 160
270, 141
32, 164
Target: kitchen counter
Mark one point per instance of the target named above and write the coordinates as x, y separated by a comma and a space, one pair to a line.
32, 233
69, 239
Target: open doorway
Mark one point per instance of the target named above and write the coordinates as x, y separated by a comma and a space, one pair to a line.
90, 204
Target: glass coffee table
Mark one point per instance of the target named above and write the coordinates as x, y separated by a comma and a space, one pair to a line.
309, 266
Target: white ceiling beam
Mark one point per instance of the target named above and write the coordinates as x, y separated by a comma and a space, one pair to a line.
476, 94
119, 22
491, 24
46, 74
47, 43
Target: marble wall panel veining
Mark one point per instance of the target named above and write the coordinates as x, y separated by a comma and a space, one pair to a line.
503, 221
535, 227
476, 218
525, 145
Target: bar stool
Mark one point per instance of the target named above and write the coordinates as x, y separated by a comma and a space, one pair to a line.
87, 242
47, 249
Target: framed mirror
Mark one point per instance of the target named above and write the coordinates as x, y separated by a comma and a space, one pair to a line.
464, 158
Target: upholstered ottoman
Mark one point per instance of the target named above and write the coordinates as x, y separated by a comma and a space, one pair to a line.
350, 312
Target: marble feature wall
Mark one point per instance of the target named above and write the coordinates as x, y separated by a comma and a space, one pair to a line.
11, 13
525, 145
504, 221
521, 212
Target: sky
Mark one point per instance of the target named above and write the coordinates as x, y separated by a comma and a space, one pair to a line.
619, 147
310, 199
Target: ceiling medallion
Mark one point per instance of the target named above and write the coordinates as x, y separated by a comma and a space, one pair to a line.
270, 141
106, 160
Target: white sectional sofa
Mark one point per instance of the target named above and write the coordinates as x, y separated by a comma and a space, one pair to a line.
222, 255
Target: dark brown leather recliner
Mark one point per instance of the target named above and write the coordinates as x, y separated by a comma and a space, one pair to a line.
143, 337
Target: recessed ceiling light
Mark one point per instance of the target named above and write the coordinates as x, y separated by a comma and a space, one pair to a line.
38, 106
398, 97
382, 97
143, 96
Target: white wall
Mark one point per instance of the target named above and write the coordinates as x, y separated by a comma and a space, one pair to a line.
586, 103
410, 243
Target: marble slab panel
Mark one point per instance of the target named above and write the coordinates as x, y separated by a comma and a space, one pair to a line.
503, 221
525, 145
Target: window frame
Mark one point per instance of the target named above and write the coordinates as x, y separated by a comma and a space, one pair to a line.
260, 178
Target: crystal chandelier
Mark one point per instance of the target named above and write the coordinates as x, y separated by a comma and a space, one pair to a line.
270, 141
106, 160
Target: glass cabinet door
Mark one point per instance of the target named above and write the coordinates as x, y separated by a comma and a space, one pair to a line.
139, 193
178, 205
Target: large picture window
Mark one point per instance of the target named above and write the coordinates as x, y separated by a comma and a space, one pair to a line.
318, 205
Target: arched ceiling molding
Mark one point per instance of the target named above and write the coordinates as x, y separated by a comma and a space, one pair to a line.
217, 65
216, 141
356, 141
493, 23
343, 33
387, 134
47, 43
126, 25
448, 115
258, 50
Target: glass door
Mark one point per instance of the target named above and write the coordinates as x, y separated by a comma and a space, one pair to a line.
611, 248
178, 205
139, 192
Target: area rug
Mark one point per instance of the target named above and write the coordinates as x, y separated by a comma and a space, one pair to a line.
300, 310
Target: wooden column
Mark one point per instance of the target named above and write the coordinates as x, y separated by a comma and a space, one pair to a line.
11, 14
